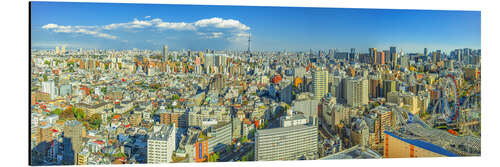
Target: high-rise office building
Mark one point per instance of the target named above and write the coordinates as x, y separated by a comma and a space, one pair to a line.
389, 86
353, 55
320, 82
404, 61
394, 56
336, 87
381, 58
392, 50
375, 87
356, 91
164, 53
387, 57
217, 82
330, 53
434, 57
372, 52
161, 144
425, 52
209, 63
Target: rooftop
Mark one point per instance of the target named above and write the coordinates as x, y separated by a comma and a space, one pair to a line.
356, 152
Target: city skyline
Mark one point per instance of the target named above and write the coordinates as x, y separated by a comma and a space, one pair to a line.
149, 84
148, 26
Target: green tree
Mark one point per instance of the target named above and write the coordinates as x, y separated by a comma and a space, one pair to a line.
217, 156
252, 133
57, 111
243, 139
79, 114
95, 120
287, 107
67, 114
175, 97
104, 90
118, 155
47, 62
214, 157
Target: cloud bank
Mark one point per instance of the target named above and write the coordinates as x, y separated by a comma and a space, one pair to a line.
212, 28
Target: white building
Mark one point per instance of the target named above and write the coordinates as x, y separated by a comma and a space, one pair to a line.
320, 83
356, 91
161, 144
292, 120
50, 88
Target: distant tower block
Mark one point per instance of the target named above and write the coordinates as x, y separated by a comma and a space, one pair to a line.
165, 53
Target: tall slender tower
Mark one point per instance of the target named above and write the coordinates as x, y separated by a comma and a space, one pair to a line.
249, 35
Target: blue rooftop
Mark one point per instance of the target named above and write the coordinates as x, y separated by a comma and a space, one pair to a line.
425, 145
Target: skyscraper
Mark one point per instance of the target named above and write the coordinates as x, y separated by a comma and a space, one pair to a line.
404, 61
434, 57
425, 51
320, 82
209, 62
389, 86
394, 56
352, 55
373, 55
356, 91
164, 53
381, 57
387, 57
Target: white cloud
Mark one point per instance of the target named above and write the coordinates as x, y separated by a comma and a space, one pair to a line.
176, 26
50, 26
211, 35
78, 29
212, 28
222, 23
133, 24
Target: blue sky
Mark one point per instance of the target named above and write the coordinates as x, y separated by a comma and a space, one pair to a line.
148, 26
